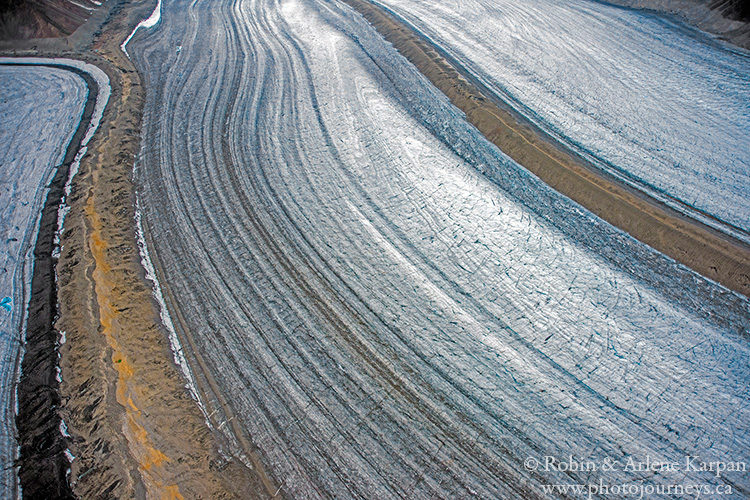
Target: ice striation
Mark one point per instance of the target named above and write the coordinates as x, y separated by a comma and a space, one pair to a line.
389, 304
661, 106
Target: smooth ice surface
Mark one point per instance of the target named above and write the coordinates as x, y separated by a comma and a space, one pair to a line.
40, 109
383, 318
660, 105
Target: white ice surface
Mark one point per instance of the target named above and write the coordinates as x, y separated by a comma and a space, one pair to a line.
655, 103
39, 111
149, 22
384, 319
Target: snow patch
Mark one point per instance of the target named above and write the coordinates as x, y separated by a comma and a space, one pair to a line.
64, 429
174, 341
150, 22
